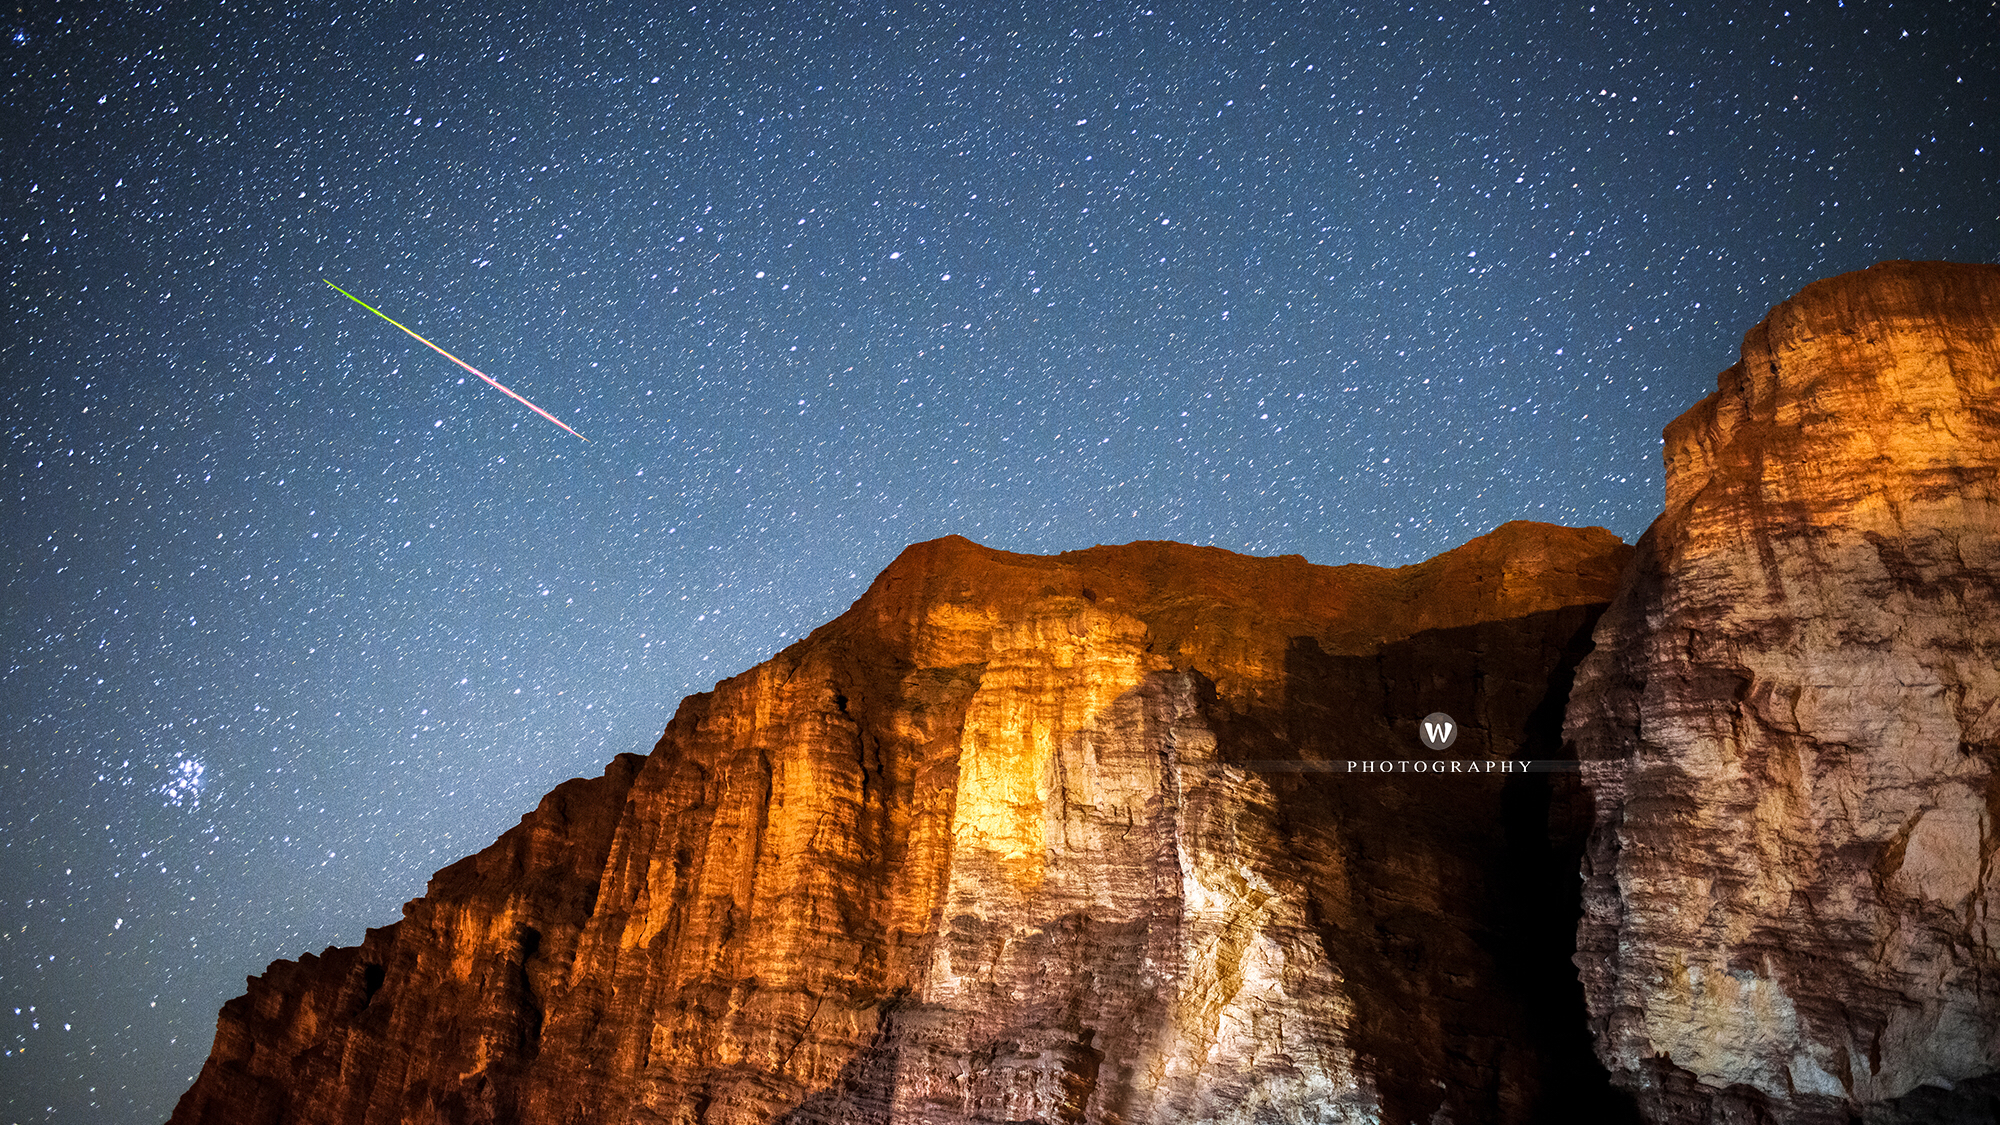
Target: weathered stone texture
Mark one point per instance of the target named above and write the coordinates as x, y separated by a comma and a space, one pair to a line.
1791, 725
986, 849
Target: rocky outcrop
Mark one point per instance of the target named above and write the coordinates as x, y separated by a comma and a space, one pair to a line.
1791, 726
1020, 839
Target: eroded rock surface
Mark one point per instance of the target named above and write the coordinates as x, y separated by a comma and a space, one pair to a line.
990, 848
1791, 726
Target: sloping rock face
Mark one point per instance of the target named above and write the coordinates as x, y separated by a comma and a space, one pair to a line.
1018, 839
1790, 727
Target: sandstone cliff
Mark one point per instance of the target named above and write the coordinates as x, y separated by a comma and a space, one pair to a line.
1004, 843
1791, 726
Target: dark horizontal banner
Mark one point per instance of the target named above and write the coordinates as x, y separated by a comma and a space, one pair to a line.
1425, 766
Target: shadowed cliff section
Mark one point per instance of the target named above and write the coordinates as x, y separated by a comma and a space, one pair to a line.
990, 847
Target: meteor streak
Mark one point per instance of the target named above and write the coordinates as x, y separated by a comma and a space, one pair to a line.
483, 375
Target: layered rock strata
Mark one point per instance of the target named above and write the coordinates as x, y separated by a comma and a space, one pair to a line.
1017, 839
1791, 726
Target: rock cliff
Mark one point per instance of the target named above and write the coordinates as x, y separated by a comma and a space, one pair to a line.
1024, 839
1791, 725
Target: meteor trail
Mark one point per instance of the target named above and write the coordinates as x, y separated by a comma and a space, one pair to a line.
455, 359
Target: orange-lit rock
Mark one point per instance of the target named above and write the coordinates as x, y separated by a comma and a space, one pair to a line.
1791, 725
988, 847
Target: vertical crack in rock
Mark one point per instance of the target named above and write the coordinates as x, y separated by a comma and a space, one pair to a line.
1791, 724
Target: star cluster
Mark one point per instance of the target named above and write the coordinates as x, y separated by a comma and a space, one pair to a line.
297, 612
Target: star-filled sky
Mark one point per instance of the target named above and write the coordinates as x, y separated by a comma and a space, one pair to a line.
297, 612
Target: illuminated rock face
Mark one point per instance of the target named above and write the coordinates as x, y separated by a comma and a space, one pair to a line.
1791, 725
1004, 843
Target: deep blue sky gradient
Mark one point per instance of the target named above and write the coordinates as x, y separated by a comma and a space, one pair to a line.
297, 613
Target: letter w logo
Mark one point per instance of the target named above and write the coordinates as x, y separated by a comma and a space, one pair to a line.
1436, 733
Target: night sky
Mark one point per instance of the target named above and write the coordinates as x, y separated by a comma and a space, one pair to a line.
297, 612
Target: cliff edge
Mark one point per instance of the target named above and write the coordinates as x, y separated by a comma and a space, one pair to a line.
1017, 839
1068, 839
1791, 726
